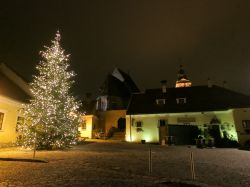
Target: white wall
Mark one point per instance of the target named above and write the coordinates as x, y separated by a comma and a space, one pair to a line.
150, 123
239, 115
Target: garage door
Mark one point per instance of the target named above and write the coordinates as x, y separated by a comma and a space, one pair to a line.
183, 134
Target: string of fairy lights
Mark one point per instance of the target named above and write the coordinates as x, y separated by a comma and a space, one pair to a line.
51, 117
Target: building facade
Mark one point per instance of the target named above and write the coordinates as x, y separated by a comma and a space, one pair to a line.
109, 110
113, 99
14, 92
181, 114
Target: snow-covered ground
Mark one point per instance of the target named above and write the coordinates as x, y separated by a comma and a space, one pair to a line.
125, 164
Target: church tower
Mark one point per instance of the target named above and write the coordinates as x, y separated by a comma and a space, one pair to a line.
182, 79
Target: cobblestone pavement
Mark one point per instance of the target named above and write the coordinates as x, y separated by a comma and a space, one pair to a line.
124, 164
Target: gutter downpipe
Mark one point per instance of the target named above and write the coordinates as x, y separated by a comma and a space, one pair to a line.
130, 128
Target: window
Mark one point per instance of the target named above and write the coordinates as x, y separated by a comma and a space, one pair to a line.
1, 120
160, 101
83, 125
181, 101
246, 126
102, 103
162, 122
19, 123
138, 124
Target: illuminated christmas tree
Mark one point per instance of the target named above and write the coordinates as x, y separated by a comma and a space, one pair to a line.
52, 116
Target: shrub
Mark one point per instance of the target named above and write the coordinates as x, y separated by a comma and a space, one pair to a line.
227, 143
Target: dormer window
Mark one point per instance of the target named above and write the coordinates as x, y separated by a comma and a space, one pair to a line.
160, 101
181, 100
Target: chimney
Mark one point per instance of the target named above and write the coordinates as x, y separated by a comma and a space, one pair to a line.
164, 86
209, 83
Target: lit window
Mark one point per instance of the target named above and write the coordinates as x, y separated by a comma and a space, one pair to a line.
246, 126
181, 101
1, 120
160, 101
102, 103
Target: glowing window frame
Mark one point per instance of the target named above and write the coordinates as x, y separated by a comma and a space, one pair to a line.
181, 100
160, 101
2, 116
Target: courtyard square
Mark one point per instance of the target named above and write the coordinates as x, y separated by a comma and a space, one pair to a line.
124, 164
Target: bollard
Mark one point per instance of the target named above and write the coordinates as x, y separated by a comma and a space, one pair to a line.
34, 149
150, 161
192, 166
163, 142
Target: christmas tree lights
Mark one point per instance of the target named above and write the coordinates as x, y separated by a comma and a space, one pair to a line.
51, 117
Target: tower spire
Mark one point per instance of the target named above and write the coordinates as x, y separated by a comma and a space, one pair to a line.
182, 79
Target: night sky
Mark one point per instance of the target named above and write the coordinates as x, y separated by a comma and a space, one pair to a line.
148, 39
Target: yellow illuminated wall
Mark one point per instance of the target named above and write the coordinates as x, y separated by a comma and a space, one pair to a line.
10, 108
149, 127
150, 123
110, 118
90, 121
239, 115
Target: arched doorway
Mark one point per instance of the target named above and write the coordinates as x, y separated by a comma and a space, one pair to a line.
121, 124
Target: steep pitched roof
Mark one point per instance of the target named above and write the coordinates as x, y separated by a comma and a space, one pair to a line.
12, 85
88, 105
130, 84
198, 99
118, 84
